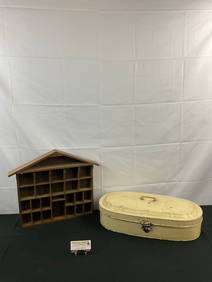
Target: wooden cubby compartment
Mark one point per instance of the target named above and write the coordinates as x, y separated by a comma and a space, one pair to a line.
57, 174
85, 171
41, 176
42, 189
70, 198
58, 209
57, 187
79, 209
71, 173
25, 179
25, 205
45, 202
70, 210
46, 215
26, 192
71, 185
87, 207
79, 196
26, 218
35, 204
87, 195
36, 216
85, 183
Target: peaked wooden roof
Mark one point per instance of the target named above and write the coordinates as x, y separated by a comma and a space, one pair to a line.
51, 153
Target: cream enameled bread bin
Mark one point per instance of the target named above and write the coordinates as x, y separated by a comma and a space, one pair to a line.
151, 215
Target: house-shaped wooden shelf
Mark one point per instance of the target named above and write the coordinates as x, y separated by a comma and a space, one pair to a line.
54, 186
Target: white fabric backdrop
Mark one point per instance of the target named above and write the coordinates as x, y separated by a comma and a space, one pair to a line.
126, 83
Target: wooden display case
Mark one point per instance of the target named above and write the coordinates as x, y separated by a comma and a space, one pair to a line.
54, 186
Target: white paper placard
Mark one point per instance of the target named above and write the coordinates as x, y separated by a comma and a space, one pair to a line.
83, 245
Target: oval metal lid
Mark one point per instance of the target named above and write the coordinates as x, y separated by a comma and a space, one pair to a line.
150, 205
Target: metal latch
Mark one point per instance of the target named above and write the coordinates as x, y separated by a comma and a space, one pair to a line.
146, 226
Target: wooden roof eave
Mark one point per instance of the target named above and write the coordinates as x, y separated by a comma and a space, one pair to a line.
27, 165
